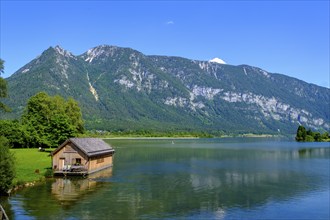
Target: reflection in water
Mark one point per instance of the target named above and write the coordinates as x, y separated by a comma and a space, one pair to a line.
190, 179
53, 199
313, 152
68, 190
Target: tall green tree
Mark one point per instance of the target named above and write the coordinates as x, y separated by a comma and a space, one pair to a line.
75, 116
50, 120
14, 132
301, 133
7, 166
3, 88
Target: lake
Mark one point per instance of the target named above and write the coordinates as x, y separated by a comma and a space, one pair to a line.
229, 178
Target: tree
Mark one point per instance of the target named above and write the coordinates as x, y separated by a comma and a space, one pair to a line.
310, 136
310, 132
325, 136
1, 66
14, 132
317, 136
49, 121
301, 133
7, 166
75, 115
3, 88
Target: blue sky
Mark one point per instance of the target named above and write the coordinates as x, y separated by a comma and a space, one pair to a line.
288, 37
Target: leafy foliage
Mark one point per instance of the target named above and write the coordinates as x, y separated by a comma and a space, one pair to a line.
7, 166
310, 136
301, 133
3, 88
14, 132
1, 66
49, 121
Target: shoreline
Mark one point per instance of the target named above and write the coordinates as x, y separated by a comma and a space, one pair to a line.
26, 184
189, 138
146, 138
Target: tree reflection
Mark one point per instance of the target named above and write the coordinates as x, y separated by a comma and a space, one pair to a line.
168, 182
172, 183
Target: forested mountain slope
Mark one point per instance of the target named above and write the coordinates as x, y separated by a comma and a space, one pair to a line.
123, 89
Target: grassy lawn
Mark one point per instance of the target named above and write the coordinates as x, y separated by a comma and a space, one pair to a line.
28, 162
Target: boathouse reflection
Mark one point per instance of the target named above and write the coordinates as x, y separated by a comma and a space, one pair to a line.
70, 189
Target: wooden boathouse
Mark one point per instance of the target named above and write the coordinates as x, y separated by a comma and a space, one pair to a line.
81, 156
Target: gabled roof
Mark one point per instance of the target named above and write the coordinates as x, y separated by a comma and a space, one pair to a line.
89, 146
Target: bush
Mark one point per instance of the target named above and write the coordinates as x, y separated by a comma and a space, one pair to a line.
49, 173
309, 138
7, 166
14, 132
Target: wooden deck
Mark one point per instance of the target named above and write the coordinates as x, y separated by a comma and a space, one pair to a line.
78, 171
72, 170
69, 173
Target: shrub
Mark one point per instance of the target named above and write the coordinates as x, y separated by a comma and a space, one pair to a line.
7, 166
49, 173
309, 138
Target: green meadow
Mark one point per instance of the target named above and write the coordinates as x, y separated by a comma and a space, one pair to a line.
31, 165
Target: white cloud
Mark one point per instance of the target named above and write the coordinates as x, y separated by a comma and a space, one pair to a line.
170, 22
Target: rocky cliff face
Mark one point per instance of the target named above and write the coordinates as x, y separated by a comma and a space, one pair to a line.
123, 89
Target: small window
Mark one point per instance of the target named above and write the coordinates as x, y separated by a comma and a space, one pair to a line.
78, 161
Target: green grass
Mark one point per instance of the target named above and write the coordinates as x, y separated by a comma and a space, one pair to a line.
28, 161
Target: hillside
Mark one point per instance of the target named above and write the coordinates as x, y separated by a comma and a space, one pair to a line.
122, 89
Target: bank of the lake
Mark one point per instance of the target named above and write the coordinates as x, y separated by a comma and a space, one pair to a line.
31, 166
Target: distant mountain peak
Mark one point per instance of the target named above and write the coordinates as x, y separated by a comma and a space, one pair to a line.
95, 52
63, 52
105, 46
217, 60
58, 48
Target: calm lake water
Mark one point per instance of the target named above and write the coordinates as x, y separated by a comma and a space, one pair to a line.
231, 178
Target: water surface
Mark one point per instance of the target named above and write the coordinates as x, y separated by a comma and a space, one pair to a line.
228, 178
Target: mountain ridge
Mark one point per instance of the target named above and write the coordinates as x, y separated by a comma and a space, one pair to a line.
123, 89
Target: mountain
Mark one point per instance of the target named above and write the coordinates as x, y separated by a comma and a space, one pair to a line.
123, 89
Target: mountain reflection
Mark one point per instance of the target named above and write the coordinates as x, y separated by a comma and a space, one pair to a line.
171, 181
181, 182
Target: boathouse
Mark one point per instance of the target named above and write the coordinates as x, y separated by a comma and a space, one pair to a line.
80, 156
